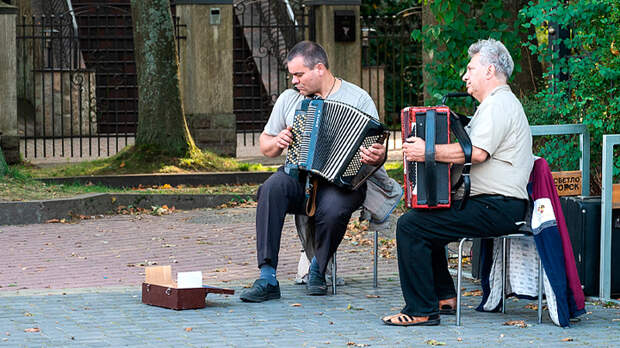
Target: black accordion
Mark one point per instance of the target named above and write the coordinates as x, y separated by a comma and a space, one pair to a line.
327, 135
428, 183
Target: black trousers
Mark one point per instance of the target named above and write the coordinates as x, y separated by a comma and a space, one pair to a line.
282, 194
421, 237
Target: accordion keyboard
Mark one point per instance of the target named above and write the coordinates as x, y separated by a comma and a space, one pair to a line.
327, 135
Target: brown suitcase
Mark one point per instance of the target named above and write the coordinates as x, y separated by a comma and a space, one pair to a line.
173, 298
160, 290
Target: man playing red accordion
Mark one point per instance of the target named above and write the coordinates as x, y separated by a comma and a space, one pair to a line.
501, 164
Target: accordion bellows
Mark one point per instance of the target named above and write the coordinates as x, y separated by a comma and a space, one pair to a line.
327, 135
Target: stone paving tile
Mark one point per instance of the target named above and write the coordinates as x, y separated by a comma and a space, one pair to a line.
103, 252
73, 282
118, 318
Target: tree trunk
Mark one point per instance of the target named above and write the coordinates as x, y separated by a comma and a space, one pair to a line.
161, 119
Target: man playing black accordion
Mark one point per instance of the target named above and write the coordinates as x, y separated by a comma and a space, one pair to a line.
501, 162
282, 193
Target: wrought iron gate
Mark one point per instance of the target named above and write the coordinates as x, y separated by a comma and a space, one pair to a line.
392, 64
264, 31
77, 83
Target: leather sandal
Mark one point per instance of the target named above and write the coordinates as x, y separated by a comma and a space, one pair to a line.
447, 306
401, 319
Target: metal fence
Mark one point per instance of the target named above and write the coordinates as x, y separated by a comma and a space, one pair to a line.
264, 32
77, 85
392, 65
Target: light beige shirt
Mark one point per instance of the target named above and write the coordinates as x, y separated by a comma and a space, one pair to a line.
500, 127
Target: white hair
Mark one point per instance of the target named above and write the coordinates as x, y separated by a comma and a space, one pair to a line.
495, 53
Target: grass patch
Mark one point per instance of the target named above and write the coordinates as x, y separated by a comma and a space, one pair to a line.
395, 171
19, 185
144, 160
28, 189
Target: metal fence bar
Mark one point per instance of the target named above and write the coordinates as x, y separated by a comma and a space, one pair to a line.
584, 147
79, 85
263, 34
606, 202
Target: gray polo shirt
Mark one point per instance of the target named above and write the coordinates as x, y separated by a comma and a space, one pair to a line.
283, 112
500, 127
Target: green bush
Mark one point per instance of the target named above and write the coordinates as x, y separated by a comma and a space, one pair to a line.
590, 95
461, 23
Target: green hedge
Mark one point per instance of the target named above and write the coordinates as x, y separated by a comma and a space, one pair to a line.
590, 95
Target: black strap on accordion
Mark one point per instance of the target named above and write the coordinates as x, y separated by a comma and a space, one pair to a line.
457, 125
429, 156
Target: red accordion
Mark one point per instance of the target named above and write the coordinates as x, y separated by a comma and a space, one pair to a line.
427, 184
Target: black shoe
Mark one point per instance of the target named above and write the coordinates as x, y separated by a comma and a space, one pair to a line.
317, 286
261, 291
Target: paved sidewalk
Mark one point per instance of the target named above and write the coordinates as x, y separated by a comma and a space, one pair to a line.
79, 285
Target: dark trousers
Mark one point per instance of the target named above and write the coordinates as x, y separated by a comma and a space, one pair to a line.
421, 237
282, 194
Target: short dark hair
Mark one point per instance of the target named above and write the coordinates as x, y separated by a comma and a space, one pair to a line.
312, 52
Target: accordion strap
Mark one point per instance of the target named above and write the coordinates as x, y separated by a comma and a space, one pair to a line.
457, 125
429, 156
312, 185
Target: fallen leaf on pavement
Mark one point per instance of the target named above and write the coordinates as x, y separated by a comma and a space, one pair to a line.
518, 323
435, 343
351, 308
473, 293
32, 329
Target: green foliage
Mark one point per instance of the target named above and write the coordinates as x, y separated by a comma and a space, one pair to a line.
9, 172
590, 96
461, 23
4, 168
385, 7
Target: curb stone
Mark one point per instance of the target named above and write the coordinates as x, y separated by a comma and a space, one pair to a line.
40, 211
134, 180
